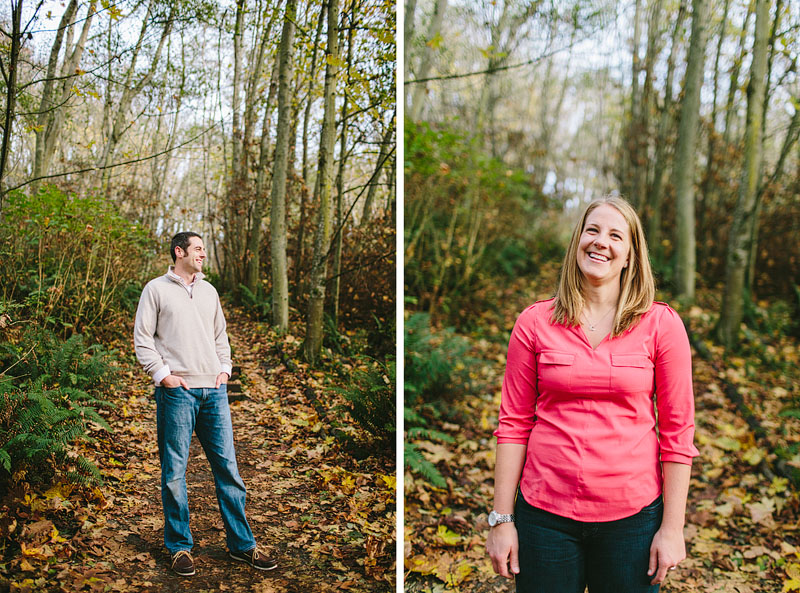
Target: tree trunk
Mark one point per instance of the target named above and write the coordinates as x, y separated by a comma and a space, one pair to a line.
160, 176
56, 121
550, 118
660, 162
46, 103
503, 39
632, 141
236, 109
753, 255
408, 32
683, 170
733, 84
741, 229
426, 61
252, 95
709, 190
9, 70
386, 143
253, 246
121, 120
337, 254
318, 278
280, 277
301, 244
234, 222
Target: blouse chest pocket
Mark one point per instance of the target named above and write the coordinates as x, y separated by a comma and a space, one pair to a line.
555, 370
631, 373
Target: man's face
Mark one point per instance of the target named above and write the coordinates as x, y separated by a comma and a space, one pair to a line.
191, 260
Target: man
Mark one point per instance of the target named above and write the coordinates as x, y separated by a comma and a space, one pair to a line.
180, 340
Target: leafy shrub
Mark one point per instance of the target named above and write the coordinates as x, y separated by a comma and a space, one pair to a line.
776, 318
435, 363
371, 401
470, 221
73, 261
367, 284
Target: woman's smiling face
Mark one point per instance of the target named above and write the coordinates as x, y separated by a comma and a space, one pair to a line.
604, 246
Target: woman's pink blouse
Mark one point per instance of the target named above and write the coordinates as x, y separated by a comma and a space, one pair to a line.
597, 422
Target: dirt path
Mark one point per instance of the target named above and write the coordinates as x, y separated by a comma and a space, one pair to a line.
328, 519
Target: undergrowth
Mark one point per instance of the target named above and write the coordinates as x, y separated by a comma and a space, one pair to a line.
51, 391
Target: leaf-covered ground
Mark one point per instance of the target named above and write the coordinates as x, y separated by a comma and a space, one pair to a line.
742, 531
328, 518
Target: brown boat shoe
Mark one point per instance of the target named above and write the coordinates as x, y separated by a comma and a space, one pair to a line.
182, 563
255, 558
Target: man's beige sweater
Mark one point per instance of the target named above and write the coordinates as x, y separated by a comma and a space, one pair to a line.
182, 330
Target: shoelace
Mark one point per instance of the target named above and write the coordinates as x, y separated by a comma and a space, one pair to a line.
179, 554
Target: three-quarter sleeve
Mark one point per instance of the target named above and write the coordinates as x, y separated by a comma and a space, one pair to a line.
674, 393
518, 402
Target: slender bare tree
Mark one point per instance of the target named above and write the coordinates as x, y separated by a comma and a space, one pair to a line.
318, 279
742, 227
280, 274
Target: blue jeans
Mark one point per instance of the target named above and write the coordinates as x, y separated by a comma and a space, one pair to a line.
560, 555
203, 411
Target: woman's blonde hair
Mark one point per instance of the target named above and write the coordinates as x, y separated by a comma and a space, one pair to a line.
637, 286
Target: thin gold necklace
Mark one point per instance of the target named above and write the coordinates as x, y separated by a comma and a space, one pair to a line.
591, 325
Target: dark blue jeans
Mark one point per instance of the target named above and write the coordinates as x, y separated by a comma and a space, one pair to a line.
560, 555
205, 412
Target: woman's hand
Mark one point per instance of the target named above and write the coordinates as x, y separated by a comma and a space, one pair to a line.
503, 548
666, 551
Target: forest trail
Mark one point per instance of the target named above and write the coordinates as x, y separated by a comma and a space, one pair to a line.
742, 521
326, 518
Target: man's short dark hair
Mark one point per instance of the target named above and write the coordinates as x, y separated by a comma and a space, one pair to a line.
181, 240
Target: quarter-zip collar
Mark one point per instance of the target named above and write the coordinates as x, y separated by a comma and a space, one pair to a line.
175, 278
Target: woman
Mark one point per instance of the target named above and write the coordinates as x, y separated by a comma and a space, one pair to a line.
591, 477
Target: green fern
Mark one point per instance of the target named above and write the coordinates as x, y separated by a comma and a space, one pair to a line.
53, 390
429, 434
259, 305
371, 401
42, 430
416, 462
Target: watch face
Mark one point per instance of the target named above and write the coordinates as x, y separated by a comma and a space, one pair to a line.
492, 519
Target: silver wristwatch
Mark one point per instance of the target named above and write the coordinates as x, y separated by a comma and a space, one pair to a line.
496, 518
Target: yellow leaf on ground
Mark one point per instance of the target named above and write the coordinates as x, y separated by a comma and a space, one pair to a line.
390, 481
54, 537
791, 585
754, 455
451, 538
793, 570
455, 575
61, 491
421, 563
727, 443
32, 551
